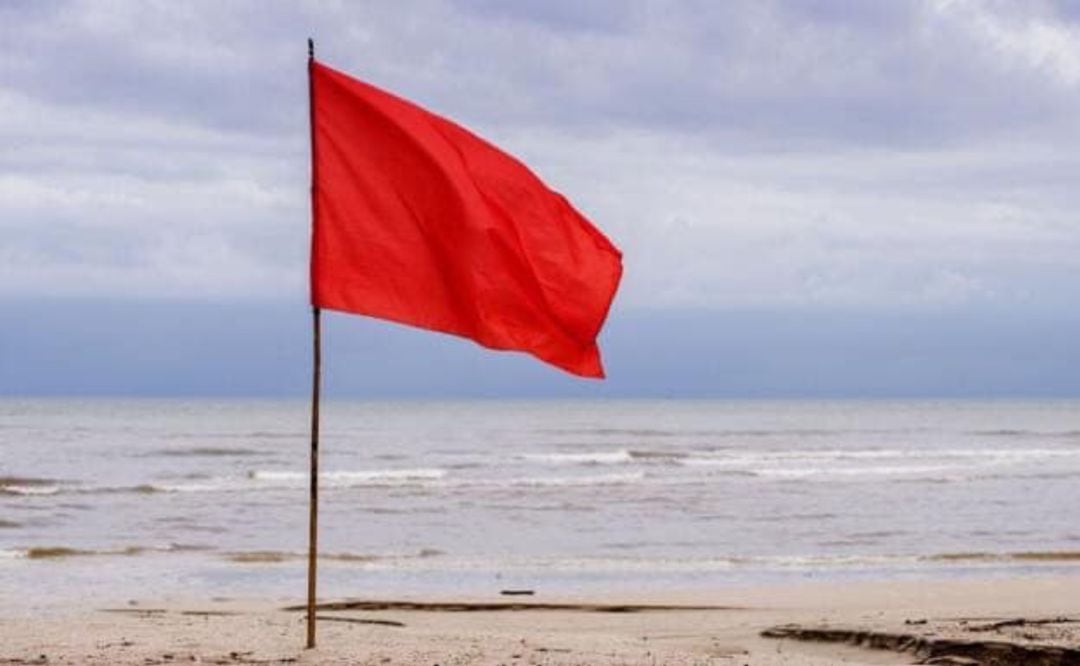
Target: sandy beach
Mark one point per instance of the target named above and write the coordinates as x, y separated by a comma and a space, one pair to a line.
230, 631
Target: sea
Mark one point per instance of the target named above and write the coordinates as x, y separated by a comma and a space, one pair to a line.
107, 501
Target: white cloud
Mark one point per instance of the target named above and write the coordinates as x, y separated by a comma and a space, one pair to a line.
1027, 35
847, 227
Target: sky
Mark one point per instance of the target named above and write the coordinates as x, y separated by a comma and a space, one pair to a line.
813, 197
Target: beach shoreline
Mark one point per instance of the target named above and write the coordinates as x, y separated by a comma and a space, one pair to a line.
263, 631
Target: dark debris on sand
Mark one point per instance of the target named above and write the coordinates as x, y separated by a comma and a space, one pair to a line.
950, 642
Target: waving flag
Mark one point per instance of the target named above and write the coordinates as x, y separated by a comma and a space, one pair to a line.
419, 221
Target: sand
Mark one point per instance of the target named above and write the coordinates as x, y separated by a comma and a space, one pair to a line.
235, 632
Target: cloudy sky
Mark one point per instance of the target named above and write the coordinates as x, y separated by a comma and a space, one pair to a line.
884, 157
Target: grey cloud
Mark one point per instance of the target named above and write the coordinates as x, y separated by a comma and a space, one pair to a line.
583, 15
769, 72
191, 63
741, 152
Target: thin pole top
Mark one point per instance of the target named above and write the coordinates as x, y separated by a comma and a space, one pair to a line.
310, 48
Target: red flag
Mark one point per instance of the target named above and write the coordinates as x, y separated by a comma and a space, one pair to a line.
419, 221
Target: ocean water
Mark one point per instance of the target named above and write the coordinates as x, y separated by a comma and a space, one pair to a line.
104, 501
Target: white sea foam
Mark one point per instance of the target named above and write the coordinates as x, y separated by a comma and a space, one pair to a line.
765, 462
832, 472
620, 456
270, 479
349, 478
434, 479
632, 564
558, 481
830, 561
29, 490
940, 464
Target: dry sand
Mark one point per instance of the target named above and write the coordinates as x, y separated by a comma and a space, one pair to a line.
231, 632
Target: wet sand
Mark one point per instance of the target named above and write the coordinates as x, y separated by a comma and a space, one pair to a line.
724, 627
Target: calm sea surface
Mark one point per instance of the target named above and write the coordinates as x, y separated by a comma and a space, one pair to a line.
107, 500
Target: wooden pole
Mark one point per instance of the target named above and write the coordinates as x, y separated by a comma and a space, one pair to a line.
313, 513
316, 376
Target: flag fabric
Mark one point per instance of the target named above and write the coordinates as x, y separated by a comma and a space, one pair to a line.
419, 221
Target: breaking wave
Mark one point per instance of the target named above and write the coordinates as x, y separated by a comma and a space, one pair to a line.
18, 485
584, 458
1048, 556
207, 452
62, 552
785, 465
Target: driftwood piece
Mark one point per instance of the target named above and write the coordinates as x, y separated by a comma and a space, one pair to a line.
360, 620
1021, 622
931, 650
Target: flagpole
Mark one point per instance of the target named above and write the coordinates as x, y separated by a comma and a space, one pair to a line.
316, 375
313, 514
